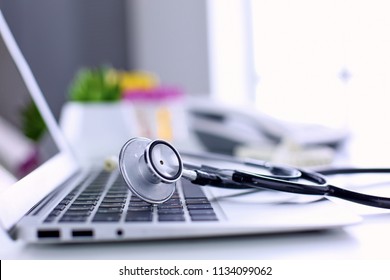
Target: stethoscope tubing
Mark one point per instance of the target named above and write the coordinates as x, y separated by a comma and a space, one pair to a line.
366, 199
352, 170
318, 184
277, 171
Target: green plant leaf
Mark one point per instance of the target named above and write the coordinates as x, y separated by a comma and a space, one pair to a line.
32, 123
95, 85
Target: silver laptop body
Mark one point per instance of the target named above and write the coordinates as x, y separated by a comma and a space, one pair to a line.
48, 197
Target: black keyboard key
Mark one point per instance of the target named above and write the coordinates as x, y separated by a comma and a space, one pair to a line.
77, 213
199, 212
85, 200
191, 190
170, 211
199, 206
171, 218
204, 218
165, 206
70, 219
172, 201
140, 209
106, 217
116, 195
83, 197
86, 207
87, 203
140, 204
197, 201
110, 210
64, 202
111, 205
60, 207
114, 200
55, 213
139, 217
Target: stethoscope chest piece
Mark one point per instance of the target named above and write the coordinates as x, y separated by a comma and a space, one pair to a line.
150, 169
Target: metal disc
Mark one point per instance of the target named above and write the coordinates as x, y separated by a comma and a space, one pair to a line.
164, 161
129, 161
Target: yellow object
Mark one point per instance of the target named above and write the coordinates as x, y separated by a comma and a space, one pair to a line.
164, 124
137, 80
111, 77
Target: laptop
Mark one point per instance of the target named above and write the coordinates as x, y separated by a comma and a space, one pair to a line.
47, 197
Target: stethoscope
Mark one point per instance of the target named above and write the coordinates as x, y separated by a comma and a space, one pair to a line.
152, 168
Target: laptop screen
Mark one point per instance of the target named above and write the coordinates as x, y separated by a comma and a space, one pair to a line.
35, 158
24, 142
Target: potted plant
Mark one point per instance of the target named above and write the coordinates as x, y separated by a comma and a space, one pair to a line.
95, 120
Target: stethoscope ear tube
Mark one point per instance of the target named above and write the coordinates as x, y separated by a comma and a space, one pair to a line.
317, 186
276, 171
365, 199
344, 171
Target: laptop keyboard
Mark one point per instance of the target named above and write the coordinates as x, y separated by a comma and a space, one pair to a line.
107, 200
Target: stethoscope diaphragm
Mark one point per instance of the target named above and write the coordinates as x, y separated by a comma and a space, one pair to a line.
149, 171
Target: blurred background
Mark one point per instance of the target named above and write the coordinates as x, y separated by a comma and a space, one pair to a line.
316, 70
59, 37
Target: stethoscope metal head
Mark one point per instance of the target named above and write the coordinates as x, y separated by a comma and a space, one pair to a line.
150, 168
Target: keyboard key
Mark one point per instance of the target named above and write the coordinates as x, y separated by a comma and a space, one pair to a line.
68, 219
88, 197
199, 206
77, 213
139, 208
172, 201
109, 210
139, 217
140, 204
85, 200
198, 212
64, 202
191, 190
55, 213
114, 200
204, 218
111, 205
171, 218
116, 195
85, 207
197, 201
86, 203
60, 207
170, 211
165, 206
106, 217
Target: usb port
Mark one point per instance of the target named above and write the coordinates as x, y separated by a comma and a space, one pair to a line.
82, 233
44, 233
